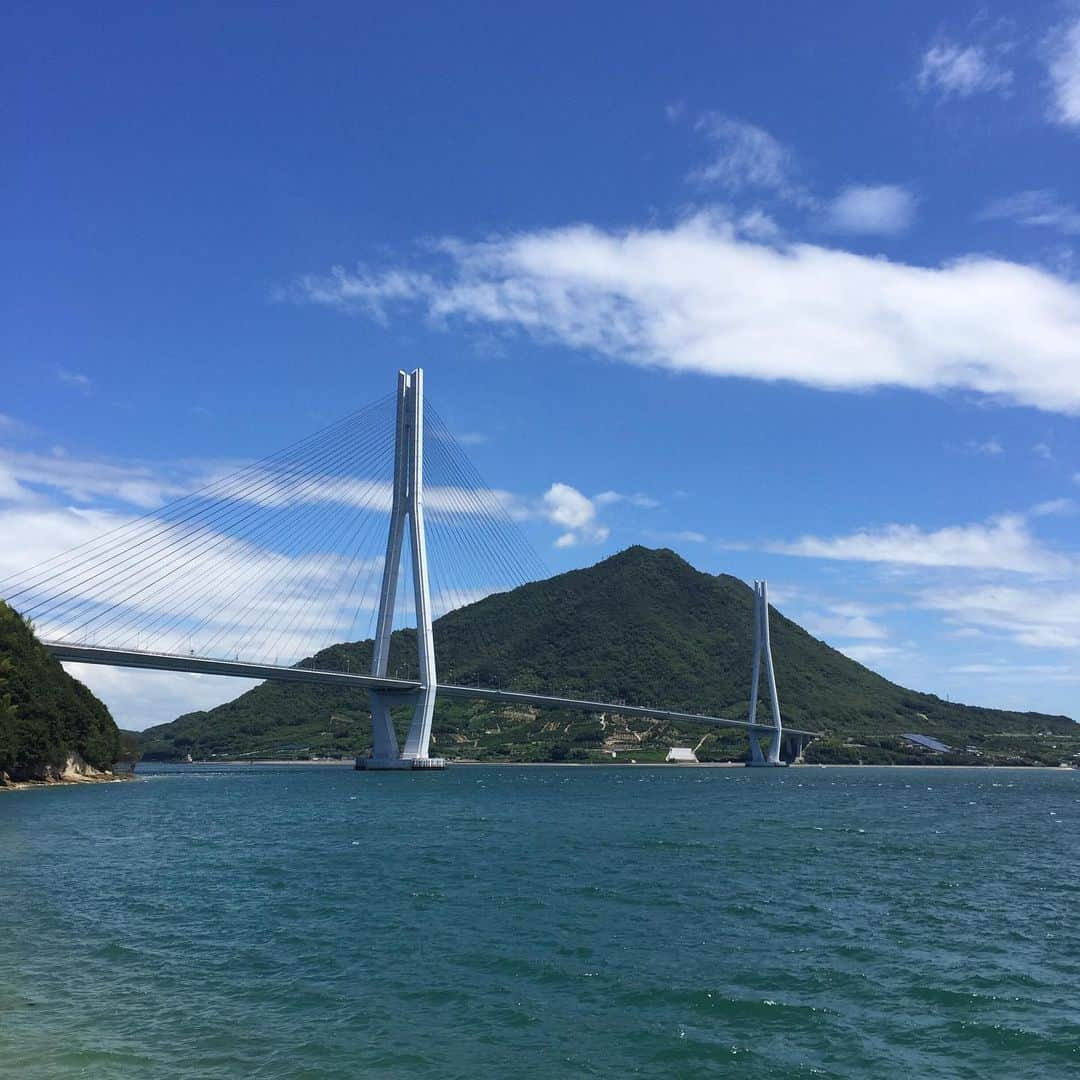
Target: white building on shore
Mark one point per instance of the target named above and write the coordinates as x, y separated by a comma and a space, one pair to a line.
681, 755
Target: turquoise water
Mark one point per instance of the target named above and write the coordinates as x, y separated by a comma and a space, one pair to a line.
544, 922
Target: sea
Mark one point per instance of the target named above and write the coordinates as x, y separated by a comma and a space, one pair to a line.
509, 921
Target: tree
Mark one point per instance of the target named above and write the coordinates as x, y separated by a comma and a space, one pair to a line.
7, 721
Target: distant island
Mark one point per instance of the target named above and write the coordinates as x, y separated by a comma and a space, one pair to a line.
641, 627
52, 728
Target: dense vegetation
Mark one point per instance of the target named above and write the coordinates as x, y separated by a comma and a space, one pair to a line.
45, 714
642, 627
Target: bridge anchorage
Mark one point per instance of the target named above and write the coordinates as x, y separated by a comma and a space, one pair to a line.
270, 560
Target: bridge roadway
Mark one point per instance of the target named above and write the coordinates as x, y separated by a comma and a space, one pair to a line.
131, 658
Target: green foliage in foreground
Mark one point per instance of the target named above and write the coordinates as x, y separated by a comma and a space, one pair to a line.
45, 714
643, 627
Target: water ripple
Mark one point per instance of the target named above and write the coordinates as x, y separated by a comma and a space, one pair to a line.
317, 922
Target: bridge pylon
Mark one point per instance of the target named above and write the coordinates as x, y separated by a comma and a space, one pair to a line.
763, 651
407, 508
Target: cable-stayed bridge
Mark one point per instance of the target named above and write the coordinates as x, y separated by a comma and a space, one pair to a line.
375, 523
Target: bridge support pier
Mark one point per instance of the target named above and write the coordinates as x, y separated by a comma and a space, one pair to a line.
407, 506
763, 650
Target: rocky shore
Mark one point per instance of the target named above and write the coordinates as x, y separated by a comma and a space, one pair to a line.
74, 770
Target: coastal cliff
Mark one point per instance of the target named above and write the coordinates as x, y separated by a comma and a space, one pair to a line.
52, 728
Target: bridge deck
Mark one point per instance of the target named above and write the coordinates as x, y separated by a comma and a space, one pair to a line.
90, 654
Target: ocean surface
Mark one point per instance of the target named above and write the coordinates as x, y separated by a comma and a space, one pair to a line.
543, 922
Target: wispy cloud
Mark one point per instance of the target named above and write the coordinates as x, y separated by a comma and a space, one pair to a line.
748, 161
85, 481
1037, 208
983, 448
1037, 617
1004, 543
74, 378
361, 291
868, 654
1053, 508
1006, 671
1063, 69
845, 620
952, 70
746, 158
699, 297
680, 536
638, 499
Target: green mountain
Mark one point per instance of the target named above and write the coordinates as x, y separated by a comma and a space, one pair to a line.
642, 627
46, 716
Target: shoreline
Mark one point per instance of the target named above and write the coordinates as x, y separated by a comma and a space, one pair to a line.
67, 781
455, 762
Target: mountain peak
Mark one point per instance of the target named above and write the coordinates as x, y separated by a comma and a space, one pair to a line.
638, 554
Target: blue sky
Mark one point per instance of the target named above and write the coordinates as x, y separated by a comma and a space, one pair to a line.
799, 283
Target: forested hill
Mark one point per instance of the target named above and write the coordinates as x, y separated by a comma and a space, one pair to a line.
642, 627
46, 716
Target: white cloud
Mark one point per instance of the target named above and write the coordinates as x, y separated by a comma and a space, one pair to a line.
141, 699
1043, 450
844, 621
1063, 67
1005, 543
747, 157
34, 534
85, 481
1039, 208
885, 208
698, 297
576, 513
1040, 618
866, 654
1004, 671
952, 70
10, 488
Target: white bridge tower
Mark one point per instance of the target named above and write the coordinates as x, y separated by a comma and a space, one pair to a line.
763, 648
408, 503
